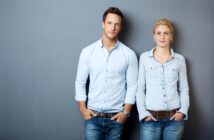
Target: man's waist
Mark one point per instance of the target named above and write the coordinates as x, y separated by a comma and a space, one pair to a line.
104, 115
105, 109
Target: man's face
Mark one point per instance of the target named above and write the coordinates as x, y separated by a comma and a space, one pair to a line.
112, 26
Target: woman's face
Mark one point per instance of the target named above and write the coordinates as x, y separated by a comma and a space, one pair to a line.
162, 36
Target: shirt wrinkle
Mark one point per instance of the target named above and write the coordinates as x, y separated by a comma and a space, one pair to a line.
108, 72
162, 86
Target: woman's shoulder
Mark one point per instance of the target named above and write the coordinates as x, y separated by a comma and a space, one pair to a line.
178, 56
146, 53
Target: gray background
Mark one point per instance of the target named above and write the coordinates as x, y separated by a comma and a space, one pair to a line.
40, 43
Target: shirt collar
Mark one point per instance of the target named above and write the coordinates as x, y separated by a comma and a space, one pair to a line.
100, 44
151, 54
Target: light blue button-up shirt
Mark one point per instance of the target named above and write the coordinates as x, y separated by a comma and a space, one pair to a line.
113, 77
162, 86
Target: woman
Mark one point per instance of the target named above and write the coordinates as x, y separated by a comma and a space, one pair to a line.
163, 92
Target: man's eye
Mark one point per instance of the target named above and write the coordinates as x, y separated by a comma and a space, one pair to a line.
117, 25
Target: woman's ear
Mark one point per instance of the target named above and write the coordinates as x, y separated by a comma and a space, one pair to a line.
171, 39
154, 38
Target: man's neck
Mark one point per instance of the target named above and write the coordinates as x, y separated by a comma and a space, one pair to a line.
108, 43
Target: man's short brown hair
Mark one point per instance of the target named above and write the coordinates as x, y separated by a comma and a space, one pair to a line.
113, 10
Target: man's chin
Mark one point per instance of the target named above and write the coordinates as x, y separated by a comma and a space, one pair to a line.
112, 38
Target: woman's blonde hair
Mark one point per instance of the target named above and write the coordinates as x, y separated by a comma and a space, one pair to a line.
163, 21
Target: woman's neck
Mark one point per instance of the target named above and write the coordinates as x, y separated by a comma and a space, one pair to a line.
162, 50
162, 54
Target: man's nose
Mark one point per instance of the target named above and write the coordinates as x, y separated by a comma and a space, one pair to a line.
113, 27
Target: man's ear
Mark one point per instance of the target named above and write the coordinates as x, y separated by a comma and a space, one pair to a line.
103, 24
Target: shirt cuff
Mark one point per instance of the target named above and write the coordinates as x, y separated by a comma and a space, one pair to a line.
130, 101
80, 98
184, 111
144, 115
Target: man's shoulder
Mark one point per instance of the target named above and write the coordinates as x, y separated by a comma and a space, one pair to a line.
92, 45
126, 48
90, 48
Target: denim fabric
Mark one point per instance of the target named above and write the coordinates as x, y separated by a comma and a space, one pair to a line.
162, 86
162, 130
102, 129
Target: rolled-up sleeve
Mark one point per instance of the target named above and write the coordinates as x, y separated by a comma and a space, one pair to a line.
183, 88
131, 79
140, 96
82, 76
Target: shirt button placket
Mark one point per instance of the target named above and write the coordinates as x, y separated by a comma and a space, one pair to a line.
105, 90
162, 77
163, 85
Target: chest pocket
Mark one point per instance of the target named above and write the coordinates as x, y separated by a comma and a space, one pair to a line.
172, 73
153, 72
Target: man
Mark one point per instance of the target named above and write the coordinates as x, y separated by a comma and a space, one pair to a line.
112, 69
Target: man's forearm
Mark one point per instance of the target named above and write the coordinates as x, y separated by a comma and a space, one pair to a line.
127, 107
82, 106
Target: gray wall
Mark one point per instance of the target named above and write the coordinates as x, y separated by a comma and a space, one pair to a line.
40, 43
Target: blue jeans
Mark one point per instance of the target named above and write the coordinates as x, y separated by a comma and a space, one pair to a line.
102, 129
162, 130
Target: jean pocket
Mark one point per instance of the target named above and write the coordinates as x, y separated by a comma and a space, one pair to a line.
178, 120
145, 121
89, 118
116, 122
